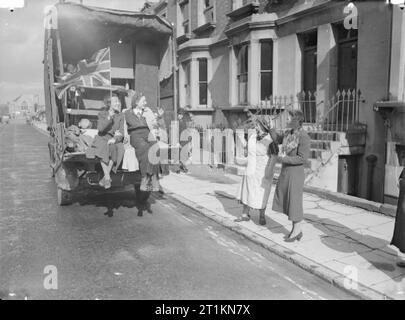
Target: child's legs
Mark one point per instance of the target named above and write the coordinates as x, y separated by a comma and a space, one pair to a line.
107, 169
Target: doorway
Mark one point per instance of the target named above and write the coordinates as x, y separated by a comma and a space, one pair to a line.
347, 41
309, 42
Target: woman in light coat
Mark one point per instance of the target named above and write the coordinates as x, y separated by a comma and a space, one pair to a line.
254, 190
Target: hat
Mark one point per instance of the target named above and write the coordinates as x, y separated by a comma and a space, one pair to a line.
85, 124
297, 117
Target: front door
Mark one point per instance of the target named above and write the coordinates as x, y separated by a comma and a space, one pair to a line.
309, 68
346, 110
347, 65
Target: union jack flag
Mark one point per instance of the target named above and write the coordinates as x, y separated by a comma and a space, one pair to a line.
96, 73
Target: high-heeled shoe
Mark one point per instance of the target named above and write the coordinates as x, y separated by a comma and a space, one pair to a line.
298, 237
243, 218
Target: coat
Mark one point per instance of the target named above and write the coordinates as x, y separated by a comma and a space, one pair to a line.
288, 196
398, 239
255, 187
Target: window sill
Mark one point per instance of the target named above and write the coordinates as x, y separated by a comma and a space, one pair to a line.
183, 38
244, 11
205, 27
201, 108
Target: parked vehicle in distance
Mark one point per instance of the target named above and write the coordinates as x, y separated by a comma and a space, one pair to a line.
5, 119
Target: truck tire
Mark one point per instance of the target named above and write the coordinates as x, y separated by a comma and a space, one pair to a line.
141, 196
64, 197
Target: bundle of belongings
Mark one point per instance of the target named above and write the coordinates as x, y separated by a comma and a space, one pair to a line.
79, 138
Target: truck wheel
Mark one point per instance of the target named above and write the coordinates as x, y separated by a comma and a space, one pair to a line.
63, 197
141, 196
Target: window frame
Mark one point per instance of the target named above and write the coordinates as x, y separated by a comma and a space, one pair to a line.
239, 50
206, 9
184, 22
200, 82
266, 71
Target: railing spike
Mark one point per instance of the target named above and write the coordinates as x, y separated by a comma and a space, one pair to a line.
338, 93
344, 93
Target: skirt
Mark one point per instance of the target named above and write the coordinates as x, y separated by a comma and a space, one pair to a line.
102, 150
288, 196
139, 140
149, 171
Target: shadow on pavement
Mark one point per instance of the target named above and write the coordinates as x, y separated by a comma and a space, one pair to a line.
334, 231
226, 199
112, 201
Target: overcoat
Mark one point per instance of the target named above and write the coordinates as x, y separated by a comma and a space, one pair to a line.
288, 196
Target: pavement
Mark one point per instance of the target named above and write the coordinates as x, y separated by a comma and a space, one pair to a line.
347, 246
99, 248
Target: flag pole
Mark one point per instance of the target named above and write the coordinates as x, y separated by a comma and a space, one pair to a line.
109, 59
174, 61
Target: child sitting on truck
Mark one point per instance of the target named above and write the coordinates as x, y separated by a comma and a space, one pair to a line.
108, 144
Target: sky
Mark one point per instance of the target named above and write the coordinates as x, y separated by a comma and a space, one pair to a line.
21, 45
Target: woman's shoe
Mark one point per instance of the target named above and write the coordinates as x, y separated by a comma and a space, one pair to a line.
296, 238
243, 218
262, 221
101, 183
107, 184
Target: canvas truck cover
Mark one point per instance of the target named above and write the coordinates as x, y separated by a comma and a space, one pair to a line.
77, 31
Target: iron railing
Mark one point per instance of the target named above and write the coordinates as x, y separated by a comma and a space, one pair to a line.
323, 121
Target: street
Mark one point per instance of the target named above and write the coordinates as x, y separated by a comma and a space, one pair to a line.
102, 249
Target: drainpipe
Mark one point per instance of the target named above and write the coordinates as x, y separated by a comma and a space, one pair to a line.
391, 10
371, 162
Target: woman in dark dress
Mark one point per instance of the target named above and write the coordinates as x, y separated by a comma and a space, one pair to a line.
140, 122
398, 239
107, 145
288, 197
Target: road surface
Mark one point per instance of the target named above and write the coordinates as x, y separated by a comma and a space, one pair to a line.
98, 247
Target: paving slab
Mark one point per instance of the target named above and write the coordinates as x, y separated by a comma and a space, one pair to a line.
335, 235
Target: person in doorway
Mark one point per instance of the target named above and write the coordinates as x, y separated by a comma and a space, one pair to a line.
288, 197
254, 190
398, 238
107, 145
